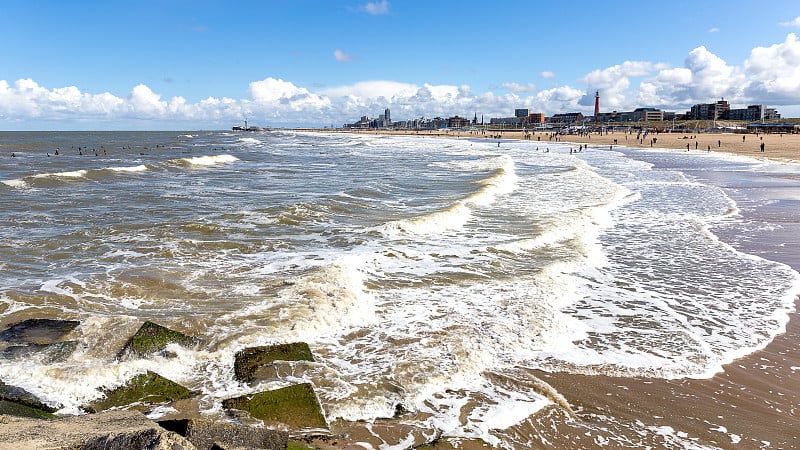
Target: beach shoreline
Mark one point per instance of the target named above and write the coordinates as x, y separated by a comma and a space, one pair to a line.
777, 147
751, 402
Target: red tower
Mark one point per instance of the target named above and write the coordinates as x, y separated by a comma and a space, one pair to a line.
596, 105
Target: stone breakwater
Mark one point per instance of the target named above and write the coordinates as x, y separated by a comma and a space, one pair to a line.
118, 420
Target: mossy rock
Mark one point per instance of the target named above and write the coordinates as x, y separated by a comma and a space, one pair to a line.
149, 388
38, 331
249, 360
295, 406
20, 396
296, 445
47, 353
152, 338
9, 408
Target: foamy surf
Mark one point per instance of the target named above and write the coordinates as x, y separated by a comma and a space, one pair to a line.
428, 276
207, 161
502, 181
129, 169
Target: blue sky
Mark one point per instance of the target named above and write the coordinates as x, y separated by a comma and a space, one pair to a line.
207, 64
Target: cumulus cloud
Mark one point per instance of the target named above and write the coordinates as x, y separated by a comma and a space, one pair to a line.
519, 88
547, 74
774, 72
613, 82
713, 30
342, 56
770, 74
792, 23
712, 76
377, 8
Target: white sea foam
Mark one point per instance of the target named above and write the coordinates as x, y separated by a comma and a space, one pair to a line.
69, 174
134, 169
592, 263
210, 160
249, 140
455, 216
16, 183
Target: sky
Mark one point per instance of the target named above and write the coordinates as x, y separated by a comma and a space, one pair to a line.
203, 64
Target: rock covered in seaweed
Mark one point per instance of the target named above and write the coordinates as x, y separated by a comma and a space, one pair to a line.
294, 406
146, 388
250, 361
15, 401
152, 338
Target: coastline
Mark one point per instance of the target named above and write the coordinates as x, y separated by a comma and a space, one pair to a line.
777, 147
725, 410
750, 403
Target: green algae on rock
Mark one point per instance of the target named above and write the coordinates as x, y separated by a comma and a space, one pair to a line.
149, 388
295, 406
9, 408
249, 360
152, 338
16, 401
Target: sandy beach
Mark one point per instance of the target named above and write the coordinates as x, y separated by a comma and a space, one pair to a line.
782, 147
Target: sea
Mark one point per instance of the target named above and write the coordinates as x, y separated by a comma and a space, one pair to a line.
433, 278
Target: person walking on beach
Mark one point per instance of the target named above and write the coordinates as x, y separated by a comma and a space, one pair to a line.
719, 143
762, 147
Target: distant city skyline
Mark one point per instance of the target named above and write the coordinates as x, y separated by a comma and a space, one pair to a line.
207, 65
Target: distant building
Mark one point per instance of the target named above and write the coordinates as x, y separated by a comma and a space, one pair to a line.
648, 114
753, 112
458, 122
534, 118
383, 121
514, 121
708, 111
525, 112
637, 115
574, 117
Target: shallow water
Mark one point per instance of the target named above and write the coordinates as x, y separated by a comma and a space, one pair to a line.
427, 273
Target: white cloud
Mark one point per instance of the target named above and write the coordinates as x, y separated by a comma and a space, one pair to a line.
558, 100
774, 72
547, 74
519, 88
712, 76
285, 95
373, 89
769, 75
713, 30
613, 82
342, 56
792, 23
377, 8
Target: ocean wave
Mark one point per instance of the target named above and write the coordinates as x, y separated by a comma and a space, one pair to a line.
134, 169
207, 161
503, 180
